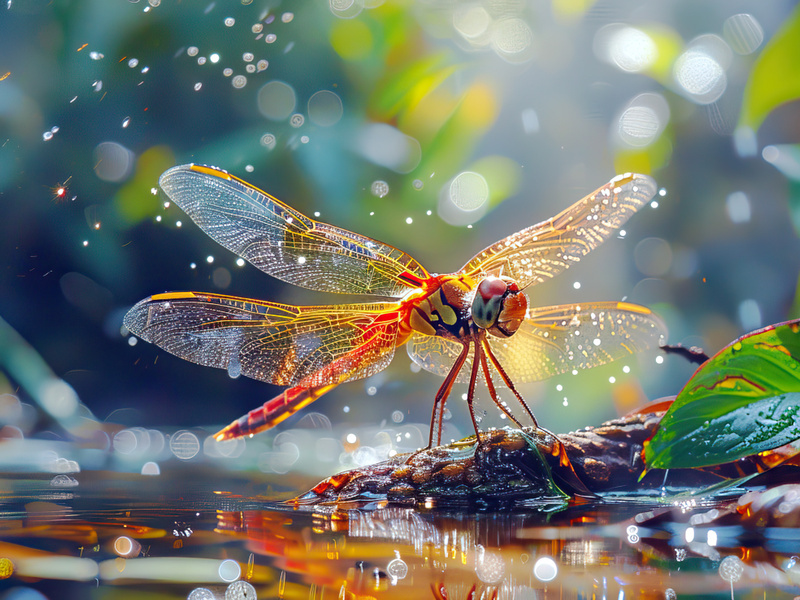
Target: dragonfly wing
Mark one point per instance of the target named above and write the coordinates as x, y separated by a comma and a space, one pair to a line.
560, 339
276, 343
544, 250
437, 355
283, 242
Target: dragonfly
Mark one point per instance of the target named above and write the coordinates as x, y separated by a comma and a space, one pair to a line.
470, 325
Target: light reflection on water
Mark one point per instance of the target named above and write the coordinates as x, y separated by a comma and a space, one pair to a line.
208, 535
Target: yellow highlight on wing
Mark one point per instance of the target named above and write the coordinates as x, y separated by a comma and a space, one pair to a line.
174, 296
212, 171
634, 308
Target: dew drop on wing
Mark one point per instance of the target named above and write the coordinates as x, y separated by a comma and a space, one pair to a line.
234, 365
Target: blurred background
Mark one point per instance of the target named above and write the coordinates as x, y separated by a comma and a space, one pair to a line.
436, 126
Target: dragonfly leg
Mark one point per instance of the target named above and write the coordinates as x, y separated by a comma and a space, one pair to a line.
441, 397
492, 392
473, 377
508, 382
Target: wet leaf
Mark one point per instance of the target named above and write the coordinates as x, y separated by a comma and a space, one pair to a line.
742, 401
775, 78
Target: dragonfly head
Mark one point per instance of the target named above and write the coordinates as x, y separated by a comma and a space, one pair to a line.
499, 306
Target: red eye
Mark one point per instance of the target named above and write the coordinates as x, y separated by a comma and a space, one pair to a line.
491, 287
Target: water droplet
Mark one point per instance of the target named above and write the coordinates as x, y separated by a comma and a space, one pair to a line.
239, 81
731, 568
268, 141
379, 188
397, 569
184, 445
234, 366
240, 590
229, 22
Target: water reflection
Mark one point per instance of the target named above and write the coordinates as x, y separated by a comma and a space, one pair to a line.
203, 544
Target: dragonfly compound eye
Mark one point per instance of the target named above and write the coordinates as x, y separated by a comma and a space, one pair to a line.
513, 312
488, 301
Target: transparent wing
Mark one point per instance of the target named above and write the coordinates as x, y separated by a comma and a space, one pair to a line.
554, 340
283, 242
544, 250
276, 343
559, 339
436, 354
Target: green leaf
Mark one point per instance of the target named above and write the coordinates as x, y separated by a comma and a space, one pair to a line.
742, 401
775, 78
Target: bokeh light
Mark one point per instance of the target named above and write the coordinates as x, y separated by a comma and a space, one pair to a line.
643, 120
276, 100
512, 39
325, 108
628, 48
468, 191
700, 69
388, 147
743, 32
229, 570
545, 569
472, 21
184, 445
113, 162
490, 566
737, 206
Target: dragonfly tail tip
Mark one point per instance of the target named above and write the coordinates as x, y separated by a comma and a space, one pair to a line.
228, 433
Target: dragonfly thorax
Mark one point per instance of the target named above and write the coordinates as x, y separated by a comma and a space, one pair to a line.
499, 306
445, 309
